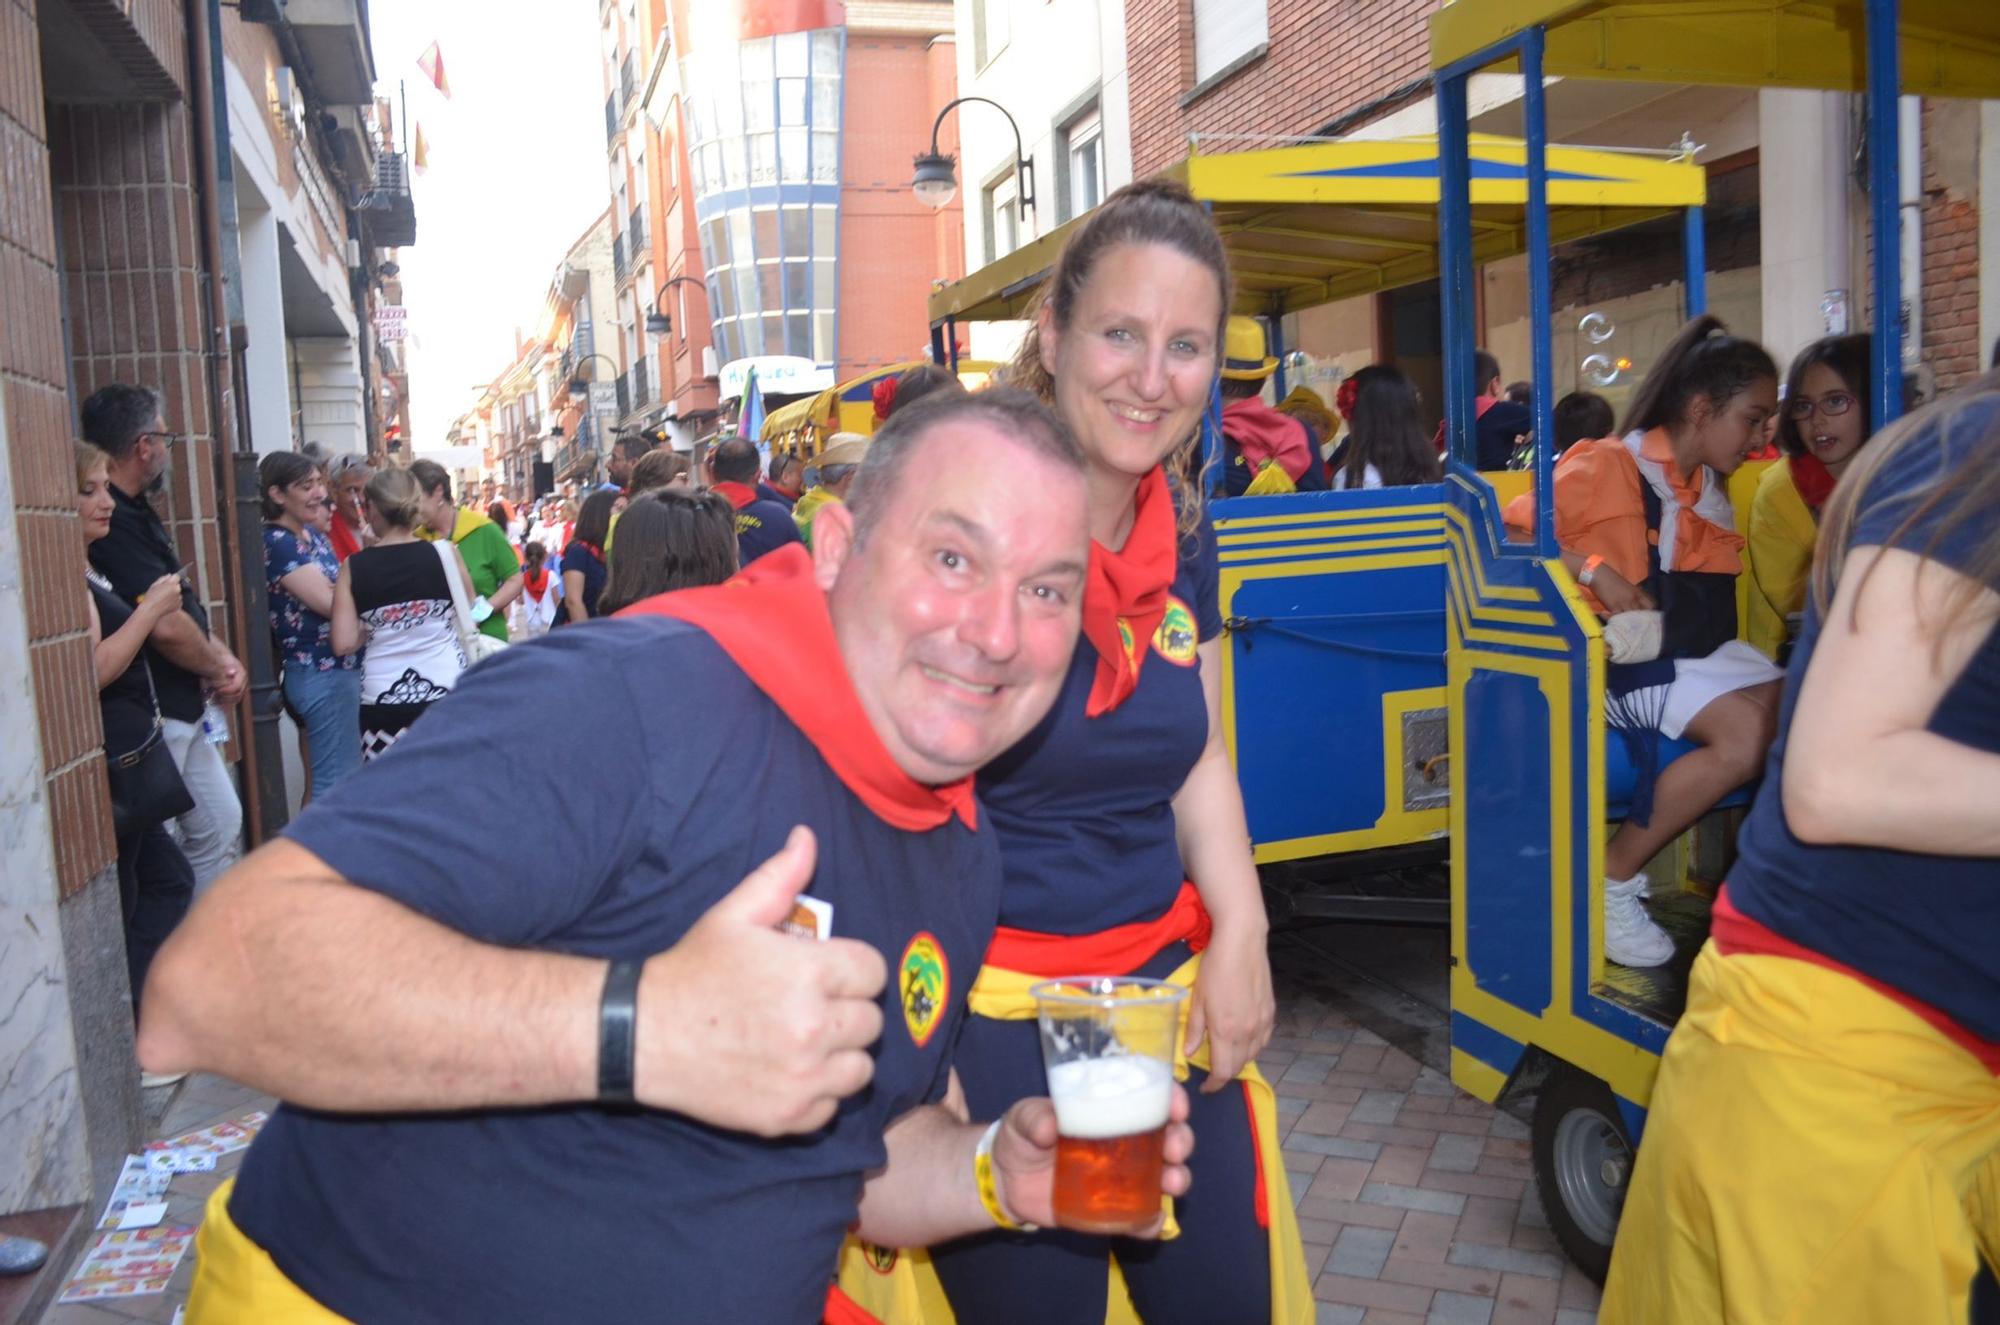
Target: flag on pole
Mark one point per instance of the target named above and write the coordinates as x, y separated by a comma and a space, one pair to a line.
432, 63
750, 418
420, 155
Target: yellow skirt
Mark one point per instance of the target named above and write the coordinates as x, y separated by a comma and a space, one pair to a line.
1816, 1152
901, 1288
237, 1283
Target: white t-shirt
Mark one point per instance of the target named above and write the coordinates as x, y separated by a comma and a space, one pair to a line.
1371, 477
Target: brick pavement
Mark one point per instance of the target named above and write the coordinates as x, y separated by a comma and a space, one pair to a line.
1416, 1201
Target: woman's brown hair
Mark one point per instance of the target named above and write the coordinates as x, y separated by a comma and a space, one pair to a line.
1144, 212
1972, 488
667, 540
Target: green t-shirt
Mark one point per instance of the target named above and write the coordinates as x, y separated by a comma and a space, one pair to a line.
490, 558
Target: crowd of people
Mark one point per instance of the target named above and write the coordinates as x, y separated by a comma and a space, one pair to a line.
961, 691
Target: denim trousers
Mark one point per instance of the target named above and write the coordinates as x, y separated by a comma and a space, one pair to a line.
211, 833
329, 704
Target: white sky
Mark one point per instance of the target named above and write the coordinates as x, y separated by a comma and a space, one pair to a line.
517, 169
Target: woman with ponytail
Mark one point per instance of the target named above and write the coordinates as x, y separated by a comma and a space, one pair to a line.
1647, 529
1120, 823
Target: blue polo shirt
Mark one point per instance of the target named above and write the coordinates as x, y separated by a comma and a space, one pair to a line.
1082, 805
652, 812
1927, 926
763, 526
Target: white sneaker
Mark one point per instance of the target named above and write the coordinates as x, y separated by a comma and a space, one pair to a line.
154, 1080
1630, 936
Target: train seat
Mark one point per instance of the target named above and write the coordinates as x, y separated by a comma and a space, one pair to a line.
1620, 776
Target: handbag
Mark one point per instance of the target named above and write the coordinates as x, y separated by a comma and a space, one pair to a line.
477, 647
146, 787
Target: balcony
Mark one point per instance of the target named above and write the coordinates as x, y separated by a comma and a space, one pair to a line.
390, 213
635, 232
628, 80
333, 44
620, 263
642, 392
611, 118
575, 459
624, 395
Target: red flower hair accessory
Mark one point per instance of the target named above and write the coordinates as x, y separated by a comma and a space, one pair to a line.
885, 398
1343, 399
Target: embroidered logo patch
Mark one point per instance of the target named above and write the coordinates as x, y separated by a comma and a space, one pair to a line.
923, 978
1125, 638
1175, 639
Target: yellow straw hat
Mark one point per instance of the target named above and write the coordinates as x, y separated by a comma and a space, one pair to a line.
1243, 356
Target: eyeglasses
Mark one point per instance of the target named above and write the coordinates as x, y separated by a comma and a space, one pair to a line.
163, 438
1833, 404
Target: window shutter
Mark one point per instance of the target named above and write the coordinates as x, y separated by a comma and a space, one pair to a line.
1225, 30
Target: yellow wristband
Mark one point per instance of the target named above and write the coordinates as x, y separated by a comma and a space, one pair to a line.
989, 1187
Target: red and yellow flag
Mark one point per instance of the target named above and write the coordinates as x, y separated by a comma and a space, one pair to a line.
432, 63
420, 156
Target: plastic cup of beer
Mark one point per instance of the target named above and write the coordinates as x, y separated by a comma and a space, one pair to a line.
1108, 1045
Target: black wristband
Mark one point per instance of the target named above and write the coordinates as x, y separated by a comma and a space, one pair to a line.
618, 1032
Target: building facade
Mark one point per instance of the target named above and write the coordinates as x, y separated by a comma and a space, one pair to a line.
197, 200
799, 122
1060, 71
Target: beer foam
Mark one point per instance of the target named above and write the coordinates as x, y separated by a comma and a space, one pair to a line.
1099, 1098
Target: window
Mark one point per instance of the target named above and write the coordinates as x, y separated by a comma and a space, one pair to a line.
1225, 31
1003, 218
1083, 178
989, 30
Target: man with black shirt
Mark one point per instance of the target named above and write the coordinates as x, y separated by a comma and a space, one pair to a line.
188, 665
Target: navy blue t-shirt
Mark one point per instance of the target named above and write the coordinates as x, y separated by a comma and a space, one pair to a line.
577, 1213
1083, 806
1927, 926
763, 526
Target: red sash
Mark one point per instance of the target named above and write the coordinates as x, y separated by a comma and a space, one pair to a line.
1126, 594
771, 619
1111, 951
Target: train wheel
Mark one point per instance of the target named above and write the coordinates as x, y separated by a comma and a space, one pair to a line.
1583, 1165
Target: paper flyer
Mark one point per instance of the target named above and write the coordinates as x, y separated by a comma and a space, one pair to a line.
196, 1152
132, 1263
138, 1185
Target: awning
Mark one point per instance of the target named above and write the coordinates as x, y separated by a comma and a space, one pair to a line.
1951, 48
1316, 222
850, 406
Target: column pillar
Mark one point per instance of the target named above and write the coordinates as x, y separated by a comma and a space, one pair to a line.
1803, 200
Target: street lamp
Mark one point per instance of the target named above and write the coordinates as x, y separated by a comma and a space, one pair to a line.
936, 182
579, 389
657, 322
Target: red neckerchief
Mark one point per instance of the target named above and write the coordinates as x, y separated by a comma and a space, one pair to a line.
345, 541
771, 619
589, 547
1126, 594
1262, 433
1813, 479
535, 581
739, 494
